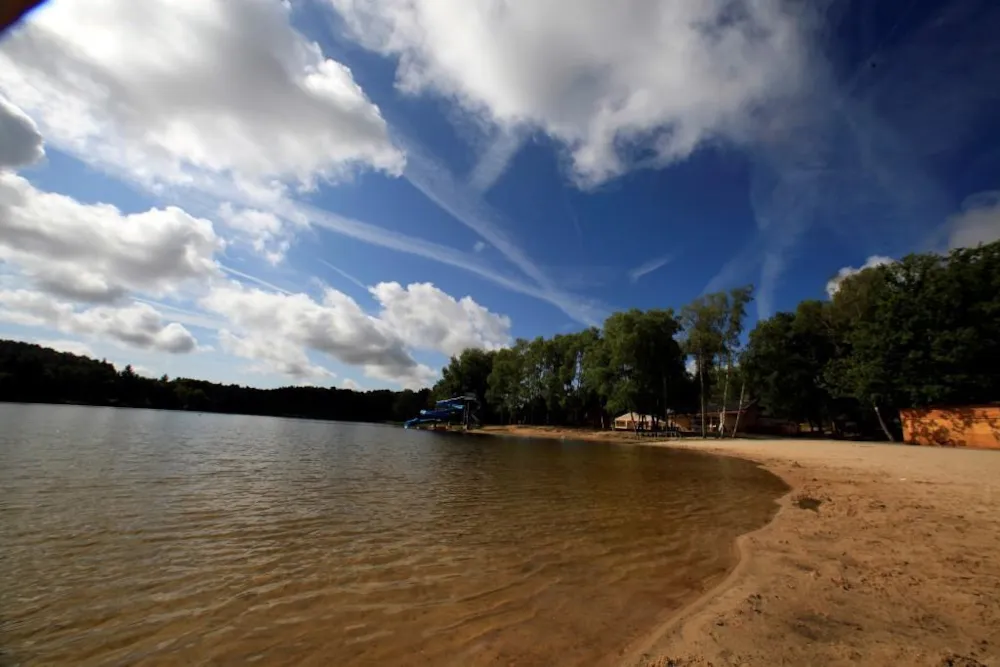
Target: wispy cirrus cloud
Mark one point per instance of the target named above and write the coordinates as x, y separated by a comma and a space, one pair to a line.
580, 310
495, 160
856, 153
648, 267
344, 274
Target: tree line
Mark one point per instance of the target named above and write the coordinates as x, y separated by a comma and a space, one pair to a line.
918, 332
34, 374
637, 362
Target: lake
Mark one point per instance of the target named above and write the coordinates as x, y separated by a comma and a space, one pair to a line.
132, 536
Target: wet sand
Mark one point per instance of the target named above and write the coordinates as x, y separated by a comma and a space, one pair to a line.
880, 555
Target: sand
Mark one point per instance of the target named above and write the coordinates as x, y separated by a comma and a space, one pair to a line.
880, 555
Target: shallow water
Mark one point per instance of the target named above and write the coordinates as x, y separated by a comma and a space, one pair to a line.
181, 538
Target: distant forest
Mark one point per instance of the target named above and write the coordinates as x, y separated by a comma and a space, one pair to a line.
918, 332
35, 374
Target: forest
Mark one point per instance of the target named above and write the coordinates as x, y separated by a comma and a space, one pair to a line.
33, 374
918, 332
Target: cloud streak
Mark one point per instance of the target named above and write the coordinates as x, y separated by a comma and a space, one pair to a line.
852, 155
495, 160
646, 268
344, 274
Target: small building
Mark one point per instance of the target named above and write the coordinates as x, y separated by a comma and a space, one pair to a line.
690, 422
631, 421
973, 426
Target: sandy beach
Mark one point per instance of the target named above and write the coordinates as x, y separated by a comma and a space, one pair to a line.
880, 555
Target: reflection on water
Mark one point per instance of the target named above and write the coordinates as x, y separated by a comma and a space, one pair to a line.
180, 538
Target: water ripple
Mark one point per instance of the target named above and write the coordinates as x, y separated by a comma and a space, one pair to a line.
168, 538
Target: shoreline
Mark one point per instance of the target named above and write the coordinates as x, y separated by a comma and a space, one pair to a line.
891, 557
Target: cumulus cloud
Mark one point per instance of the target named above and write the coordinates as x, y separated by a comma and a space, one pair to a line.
20, 140
978, 223
264, 231
136, 325
833, 285
279, 328
278, 331
96, 253
172, 91
620, 84
426, 317
277, 355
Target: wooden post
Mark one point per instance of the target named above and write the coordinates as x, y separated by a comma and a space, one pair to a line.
739, 408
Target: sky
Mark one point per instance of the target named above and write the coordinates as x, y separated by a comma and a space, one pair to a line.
347, 192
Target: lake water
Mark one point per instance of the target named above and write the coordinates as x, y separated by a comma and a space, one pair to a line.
131, 536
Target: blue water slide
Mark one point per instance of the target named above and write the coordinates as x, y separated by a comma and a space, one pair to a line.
437, 414
445, 410
416, 421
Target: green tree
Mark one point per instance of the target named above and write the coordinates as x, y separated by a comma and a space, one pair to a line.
468, 372
646, 364
505, 391
731, 328
704, 321
785, 360
921, 331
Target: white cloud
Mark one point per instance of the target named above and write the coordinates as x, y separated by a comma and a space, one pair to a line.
833, 285
96, 253
648, 267
71, 346
214, 102
479, 246
344, 274
176, 91
266, 233
348, 383
279, 328
425, 317
978, 223
495, 159
20, 140
621, 84
580, 310
277, 355
136, 325
277, 331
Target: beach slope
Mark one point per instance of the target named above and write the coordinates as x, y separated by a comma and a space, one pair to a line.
881, 555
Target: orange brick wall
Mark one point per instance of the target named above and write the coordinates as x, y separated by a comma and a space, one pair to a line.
975, 426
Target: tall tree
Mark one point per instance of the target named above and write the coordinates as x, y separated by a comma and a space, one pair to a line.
645, 361
468, 372
506, 382
735, 312
704, 326
785, 360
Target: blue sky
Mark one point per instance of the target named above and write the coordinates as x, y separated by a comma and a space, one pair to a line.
345, 192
